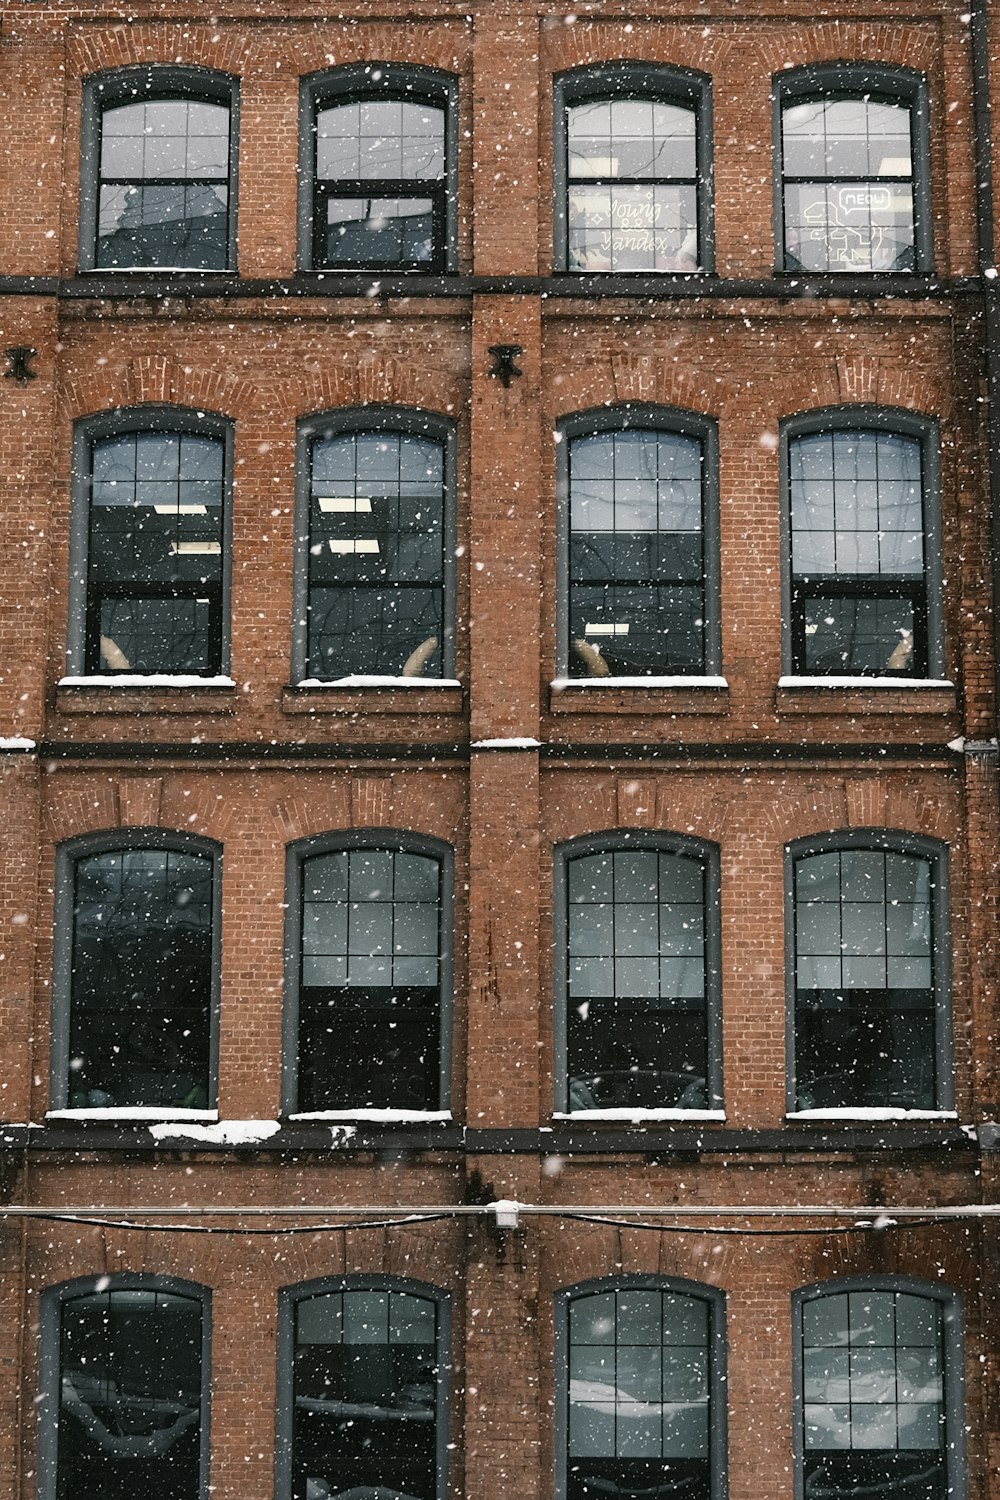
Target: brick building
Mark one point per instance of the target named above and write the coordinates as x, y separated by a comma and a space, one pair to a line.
499, 703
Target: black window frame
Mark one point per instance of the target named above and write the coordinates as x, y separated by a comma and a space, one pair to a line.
898, 422
624, 79
120, 422
886, 841
353, 83
639, 840
151, 81
290, 1296
887, 83
953, 1341
393, 840
343, 422
718, 1351
632, 416
109, 842
52, 1300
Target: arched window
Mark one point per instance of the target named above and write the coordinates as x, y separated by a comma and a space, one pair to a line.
854, 169
158, 180
632, 159
871, 1022
362, 1389
369, 974
636, 964
641, 1366
136, 974
378, 169
125, 1389
375, 575
638, 553
878, 1391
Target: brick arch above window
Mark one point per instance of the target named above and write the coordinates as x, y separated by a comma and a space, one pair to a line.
158, 380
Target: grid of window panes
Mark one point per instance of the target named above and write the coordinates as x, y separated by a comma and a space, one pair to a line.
130, 1396
864, 981
848, 185
164, 185
632, 186
365, 1395
376, 556
636, 1017
873, 1396
636, 554
154, 586
369, 998
638, 1395
141, 985
380, 184
859, 597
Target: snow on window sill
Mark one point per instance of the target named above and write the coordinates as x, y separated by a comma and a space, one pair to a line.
377, 1116
877, 1114
132, 1112
635, 1115
16, 742
862, 683
152, 680
509, 744
561, 684
223, 1133
361, 681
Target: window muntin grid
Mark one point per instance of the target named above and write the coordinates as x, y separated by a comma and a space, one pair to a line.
636, 554
376, 569
865, 995
848, 184
155, 553
639, 1394
859, 585
632, 185
163, 191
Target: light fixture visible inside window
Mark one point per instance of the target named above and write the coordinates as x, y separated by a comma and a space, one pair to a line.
606, 629
358, 544
195, 549
181, 510
329, 503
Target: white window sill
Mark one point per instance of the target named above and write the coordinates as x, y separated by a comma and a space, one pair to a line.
863, 683
311, 683
563, 684
141, 1112
878, 1115
152, 680
683, 1116
377, 1116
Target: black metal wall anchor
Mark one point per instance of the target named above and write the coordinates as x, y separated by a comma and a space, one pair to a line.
20, 357
504, 369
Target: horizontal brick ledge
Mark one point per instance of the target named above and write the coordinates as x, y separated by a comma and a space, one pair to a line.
372, 700
163, 701
639, 700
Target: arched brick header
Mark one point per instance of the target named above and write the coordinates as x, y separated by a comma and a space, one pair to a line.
156, 379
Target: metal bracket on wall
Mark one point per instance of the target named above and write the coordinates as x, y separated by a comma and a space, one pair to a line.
20, 357
504, 369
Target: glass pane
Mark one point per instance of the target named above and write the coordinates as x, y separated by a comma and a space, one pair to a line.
380, 140
164, 225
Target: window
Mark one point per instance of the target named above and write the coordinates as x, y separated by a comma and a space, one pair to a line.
632, 169
637, 970
375, 576
149, 580
639, 544
362, 1389
158, 185
125, 1390
369, 976
135, 973
379, 169
878, 1391
865, 546
854, 191
643, 1409
871, 1022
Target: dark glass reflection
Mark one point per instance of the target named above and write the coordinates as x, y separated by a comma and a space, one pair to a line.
370, 998
637, 1023
639, 1413
164, 186
864, 981
130, 1393
365, 1420
376, 557
636, 555
873, 1397
154, 587
140, 1014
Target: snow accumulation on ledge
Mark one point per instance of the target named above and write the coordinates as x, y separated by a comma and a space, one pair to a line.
510, 744
865, 682
361, 681
560, 684
376, 1116
878, 1115
15, 742
135, 1112
223, 1133
683, 1116
153, 679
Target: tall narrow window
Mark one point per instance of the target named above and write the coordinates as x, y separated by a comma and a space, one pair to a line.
865, 553
878, 1370
640, 597
136, 975
871, 1021
854, 169
125, 1390
632, 166
158, 172
638, 966
644, 1413
374, 585
372, 961
362, 1390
